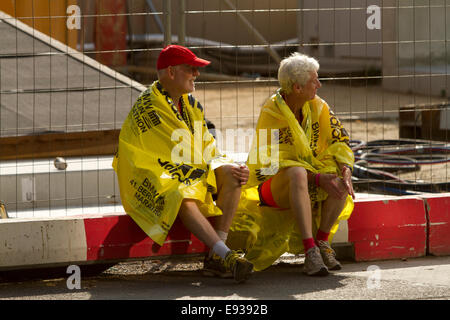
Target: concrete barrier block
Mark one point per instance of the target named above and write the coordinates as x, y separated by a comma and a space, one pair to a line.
438, 209
119, 237
388, 229
35, 242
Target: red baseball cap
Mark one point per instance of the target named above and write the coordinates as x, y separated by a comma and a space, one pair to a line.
173, 55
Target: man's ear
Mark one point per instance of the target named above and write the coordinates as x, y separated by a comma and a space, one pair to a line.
297, 87
170, 72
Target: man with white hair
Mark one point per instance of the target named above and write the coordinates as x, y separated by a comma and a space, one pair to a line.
309, 186
157, 185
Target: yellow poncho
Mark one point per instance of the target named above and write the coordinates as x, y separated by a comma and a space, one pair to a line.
163, 157
317, 145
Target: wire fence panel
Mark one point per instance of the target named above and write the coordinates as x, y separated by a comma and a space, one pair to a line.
71, 70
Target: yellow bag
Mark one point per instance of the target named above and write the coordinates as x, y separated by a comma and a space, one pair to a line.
164, 156
317, 145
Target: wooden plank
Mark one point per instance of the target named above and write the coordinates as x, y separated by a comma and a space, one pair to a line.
59, 144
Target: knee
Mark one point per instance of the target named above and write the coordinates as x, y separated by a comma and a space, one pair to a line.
337, 201
225, 176
187, 205
297, 175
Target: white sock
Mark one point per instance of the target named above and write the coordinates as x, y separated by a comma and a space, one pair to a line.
223, 236
221, 249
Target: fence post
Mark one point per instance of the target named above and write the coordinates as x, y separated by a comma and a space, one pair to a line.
300, 25
167, 8
182, 22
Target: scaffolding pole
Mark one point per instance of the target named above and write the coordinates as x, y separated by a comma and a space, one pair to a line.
258, 35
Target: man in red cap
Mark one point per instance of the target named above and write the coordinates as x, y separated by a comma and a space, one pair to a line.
156, 185
177, 70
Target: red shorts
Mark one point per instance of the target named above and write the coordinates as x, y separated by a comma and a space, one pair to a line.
265, 194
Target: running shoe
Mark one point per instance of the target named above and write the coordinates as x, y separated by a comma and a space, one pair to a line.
214, 267
241, 268
314, 265
329, 256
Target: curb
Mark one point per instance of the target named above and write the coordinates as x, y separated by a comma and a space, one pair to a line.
383, 228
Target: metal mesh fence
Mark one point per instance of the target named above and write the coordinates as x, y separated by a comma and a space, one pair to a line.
71, 70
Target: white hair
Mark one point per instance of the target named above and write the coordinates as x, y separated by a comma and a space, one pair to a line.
295, 69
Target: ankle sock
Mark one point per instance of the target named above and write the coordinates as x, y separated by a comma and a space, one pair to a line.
308, 244
322, 235
223, 236
221, 249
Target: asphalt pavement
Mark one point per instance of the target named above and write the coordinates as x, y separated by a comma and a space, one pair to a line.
425, 278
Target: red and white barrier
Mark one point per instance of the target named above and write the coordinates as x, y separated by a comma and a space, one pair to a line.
384, 228
33, 243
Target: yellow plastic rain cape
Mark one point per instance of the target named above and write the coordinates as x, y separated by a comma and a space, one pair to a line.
317, 145
164, 156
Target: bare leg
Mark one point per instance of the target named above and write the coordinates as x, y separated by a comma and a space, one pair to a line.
196, 223
229, 193
331, 209
291, 191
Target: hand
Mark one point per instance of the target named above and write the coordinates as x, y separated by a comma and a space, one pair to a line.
347, 179
333, 185
241, 173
